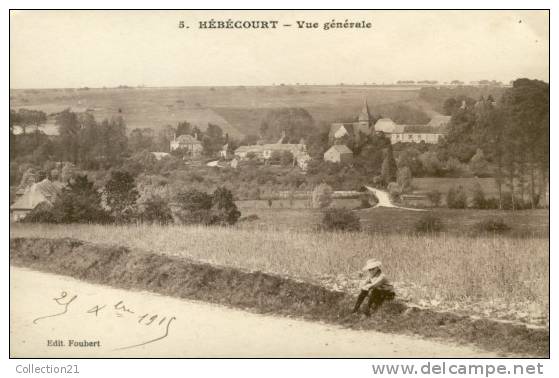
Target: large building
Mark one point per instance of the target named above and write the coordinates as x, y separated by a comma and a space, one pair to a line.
416, 134
431, 132
189, 144
265, 152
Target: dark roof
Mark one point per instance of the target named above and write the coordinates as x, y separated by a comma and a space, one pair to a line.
44, 191
422, 129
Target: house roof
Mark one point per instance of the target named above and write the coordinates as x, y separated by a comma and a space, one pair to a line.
340, 148
386, 125
39, 192
421, 129
188, 139
439, 121
160, 155
49, 129
335, 127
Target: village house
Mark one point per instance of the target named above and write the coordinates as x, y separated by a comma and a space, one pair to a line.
48, 129
187, 143
265, 151
338, 153
39, 193
416, 134
160, 155
431, 132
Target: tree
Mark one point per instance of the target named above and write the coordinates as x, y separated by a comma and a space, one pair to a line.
121, 195
340, 220
286, 158
67, 173
224, 209
389, 167
155, 209
479, 164
27, 117
79, 202
526, 106
478, 197
409, 157
456, 198
431, 164
404, 178
184, 128
69, 130
213, 140
193, 207
140, 140
322, 196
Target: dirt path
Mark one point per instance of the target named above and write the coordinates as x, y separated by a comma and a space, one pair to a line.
384, 199
114, 322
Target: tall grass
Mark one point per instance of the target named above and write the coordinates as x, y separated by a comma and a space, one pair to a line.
439, 266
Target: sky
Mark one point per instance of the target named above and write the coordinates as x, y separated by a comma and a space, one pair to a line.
69, 49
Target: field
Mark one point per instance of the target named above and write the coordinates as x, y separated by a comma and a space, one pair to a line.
444, 184
297, 216
237, 110
494, 276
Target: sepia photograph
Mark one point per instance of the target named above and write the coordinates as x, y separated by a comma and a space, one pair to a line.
279, 184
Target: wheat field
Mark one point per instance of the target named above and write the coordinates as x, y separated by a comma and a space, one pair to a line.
442, 267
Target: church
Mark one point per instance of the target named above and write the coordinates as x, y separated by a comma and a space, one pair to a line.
353, 131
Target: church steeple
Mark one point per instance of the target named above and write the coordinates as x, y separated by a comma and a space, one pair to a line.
365, 115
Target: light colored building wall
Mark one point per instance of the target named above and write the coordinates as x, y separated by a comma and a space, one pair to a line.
415, 138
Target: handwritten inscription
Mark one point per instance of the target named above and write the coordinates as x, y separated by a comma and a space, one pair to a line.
153, 321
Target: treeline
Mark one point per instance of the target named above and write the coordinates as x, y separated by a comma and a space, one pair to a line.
119, 201
512, 132
436, 96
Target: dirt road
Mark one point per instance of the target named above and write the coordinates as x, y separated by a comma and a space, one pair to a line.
384, 199
57, 316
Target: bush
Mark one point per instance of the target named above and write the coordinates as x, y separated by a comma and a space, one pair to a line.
435, 197
395, 191
492, 225
156, 210
196, 207
429, 224
340, 220
456, 198
40, 214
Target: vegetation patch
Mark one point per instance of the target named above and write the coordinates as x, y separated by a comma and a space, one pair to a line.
261, 292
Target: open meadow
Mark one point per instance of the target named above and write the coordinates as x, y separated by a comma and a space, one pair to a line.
493, 276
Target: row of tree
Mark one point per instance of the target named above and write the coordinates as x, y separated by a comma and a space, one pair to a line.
513, 133
118, 202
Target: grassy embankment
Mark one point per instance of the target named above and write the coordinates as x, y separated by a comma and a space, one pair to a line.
496, 276
263, 293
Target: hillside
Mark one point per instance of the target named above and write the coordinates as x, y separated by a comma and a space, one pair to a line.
237, 110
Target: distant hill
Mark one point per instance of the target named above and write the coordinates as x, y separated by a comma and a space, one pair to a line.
239, 111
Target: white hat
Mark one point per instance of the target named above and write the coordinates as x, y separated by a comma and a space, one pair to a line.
372, 264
